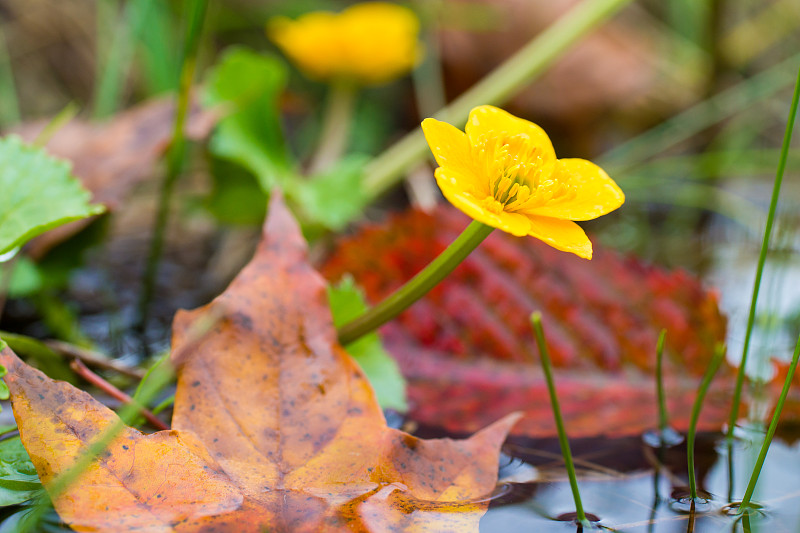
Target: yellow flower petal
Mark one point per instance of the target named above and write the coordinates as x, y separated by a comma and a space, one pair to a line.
596, 193
494, 122
472, 204
562, 235
449, 145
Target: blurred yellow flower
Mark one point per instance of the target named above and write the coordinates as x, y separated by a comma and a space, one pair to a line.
503, 172
369, 43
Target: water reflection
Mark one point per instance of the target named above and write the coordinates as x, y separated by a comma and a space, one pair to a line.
635, 488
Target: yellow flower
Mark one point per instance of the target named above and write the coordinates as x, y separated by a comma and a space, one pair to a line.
503, 172
369, 43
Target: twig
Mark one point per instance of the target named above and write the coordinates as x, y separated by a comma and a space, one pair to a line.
83, 371
93, 358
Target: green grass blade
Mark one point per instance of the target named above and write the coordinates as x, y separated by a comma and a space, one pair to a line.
536, 321
719, 354
9, 102
663, 419
762, 258
110, 82
773, 425
197, 13
700, 116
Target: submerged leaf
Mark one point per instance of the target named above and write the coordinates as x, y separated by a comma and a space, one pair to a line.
39, 193
467, 348
275, 427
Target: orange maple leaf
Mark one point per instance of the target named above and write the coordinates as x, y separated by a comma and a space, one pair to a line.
275, 427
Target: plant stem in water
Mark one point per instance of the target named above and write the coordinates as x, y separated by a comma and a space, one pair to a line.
536, 321
719, 355
773, 425
428, 278
663, 421
762, 258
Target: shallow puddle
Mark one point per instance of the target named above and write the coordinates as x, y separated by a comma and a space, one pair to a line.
620, 484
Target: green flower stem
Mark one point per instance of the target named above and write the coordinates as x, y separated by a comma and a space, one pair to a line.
402, 298
762, 258
536, 321
197, 14
773, 425
335, 126
663, 421
500, 85
719, 354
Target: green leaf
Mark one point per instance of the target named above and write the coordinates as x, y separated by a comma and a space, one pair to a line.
38, 193
25, 278
235, 197
334, 197
347, 302
4, 393
18, 479
251, 135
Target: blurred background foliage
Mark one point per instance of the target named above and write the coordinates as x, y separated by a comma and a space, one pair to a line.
683, 102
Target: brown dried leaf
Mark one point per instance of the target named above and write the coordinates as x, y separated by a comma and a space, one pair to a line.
111, 158
273, 419
467, 348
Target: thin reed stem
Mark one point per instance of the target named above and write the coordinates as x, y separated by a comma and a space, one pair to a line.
9, 102
56, 123
336, 123
719, 355
773, 425
536, 321
762, 258
663, 420
197, 14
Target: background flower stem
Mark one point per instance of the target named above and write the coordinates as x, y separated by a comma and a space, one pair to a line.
336, 124
496, 88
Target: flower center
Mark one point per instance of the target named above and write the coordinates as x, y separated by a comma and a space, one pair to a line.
520, 178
